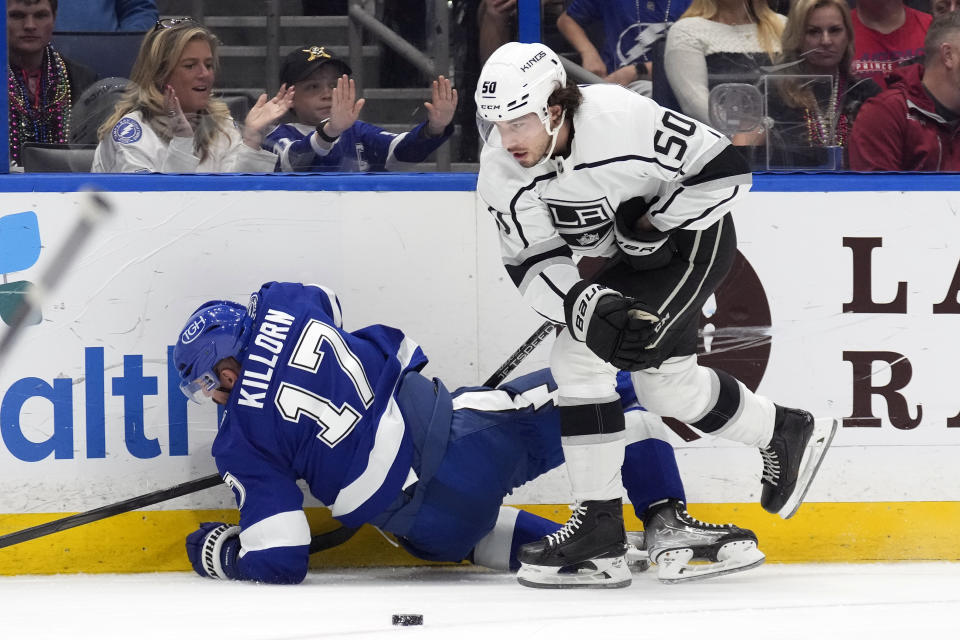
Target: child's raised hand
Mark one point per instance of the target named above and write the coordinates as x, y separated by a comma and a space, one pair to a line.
345, 108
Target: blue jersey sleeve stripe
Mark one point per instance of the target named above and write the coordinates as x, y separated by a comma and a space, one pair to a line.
287, 529
335, 312
386, 446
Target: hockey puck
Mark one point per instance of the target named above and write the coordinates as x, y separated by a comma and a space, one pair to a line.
407, 619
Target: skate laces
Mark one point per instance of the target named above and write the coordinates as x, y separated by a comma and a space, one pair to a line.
700, 523
771, 466
568, 529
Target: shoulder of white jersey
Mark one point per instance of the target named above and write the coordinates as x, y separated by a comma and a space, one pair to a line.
600, 99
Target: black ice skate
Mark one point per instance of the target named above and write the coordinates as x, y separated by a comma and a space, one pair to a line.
792, 458
673, 538
587, 552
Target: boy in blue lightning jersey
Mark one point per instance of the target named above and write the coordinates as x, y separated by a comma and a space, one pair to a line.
326, 134
379, 443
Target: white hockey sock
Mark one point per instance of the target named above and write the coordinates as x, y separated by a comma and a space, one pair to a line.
593, 464
753, 424
493, 550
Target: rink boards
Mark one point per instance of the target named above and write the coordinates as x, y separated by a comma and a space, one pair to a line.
845, 303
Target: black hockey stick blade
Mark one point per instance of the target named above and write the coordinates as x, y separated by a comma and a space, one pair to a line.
110, 510
331, 539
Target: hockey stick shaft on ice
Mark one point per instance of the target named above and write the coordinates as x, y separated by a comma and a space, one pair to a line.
110, 510
319, 542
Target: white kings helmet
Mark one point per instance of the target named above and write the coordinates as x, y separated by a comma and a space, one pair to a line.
517, 79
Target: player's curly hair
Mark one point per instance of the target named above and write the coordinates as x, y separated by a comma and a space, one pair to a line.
569, 97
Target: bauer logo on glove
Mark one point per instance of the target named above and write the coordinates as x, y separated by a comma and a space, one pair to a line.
616, 328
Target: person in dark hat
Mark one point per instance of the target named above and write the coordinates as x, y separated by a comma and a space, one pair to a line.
326, 134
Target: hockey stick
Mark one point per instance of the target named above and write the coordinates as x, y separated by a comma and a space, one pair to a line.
110, 510
324, 541
319, 542
520, 354
93, 210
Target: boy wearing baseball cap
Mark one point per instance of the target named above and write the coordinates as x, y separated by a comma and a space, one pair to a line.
326, 134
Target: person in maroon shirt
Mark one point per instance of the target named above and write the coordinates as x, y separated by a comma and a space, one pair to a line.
886, 33
913, 125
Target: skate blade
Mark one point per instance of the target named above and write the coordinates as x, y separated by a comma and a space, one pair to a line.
638, 560
733, 557
601, 573
824, 429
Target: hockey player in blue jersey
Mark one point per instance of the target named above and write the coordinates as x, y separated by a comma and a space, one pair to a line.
326, 134
379, 443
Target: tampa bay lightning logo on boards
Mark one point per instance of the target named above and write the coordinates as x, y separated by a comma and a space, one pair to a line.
127, 131
193, 330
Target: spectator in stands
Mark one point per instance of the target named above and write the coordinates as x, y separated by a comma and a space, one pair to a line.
887, 33
41, 83
167, 120
808, 115
106, 15
912, 126
497, 23
630, 29
719, 41
326, 134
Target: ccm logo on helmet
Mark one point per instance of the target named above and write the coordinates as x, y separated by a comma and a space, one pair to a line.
193, 330
532, 61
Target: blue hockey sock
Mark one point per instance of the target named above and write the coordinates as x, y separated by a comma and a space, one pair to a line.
529, 528
650, 474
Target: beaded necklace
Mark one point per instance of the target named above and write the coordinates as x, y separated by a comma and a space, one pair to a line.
46, 118
827, 128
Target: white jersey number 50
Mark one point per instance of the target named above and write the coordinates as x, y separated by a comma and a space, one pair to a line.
293, 401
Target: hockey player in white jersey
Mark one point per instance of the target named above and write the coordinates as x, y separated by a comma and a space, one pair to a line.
600, 171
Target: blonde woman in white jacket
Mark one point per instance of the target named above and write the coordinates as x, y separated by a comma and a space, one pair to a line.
168, 121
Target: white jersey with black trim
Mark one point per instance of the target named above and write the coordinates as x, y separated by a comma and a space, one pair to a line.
624, 146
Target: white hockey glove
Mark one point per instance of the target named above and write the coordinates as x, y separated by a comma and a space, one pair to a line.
213, 550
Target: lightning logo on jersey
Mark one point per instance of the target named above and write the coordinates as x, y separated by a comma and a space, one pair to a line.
127, 131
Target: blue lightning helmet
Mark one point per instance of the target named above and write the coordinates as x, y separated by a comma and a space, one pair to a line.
218, 329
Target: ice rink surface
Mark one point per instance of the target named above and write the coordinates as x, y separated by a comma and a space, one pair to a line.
822, 601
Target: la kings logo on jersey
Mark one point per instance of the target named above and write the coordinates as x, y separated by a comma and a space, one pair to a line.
583, 225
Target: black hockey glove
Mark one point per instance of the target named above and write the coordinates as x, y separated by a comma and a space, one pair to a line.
630, 211
616, 328
643, 250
